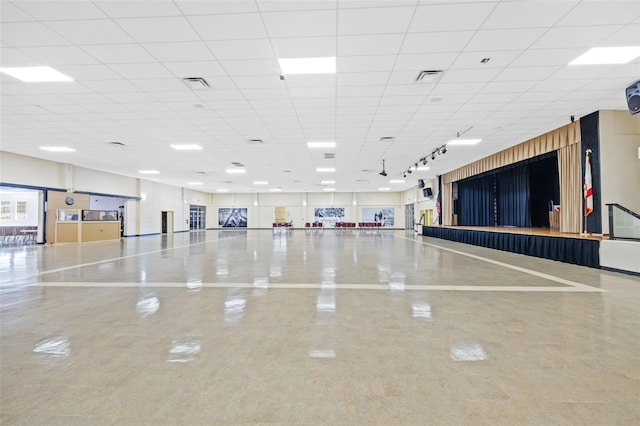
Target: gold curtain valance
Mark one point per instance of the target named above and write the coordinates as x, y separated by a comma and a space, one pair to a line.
556, 139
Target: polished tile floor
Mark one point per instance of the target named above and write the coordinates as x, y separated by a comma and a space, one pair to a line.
248, 327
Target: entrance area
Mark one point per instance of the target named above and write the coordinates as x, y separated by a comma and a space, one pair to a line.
197, 217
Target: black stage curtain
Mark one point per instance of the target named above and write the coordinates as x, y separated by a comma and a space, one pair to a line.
513, 197
476, 201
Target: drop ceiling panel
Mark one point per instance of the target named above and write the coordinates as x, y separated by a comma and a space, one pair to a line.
141, 71
527, 14
228, 27
374, 20
242, 49
11, 13
447, 17
199, 7
436, 42
97, 31
138, 8
119, 53
301, 47
508, 39
59, 55
251, 67
12, 57
22, 34
300, 24
369, 44
593, 13
568, 37
145, 30
179, 52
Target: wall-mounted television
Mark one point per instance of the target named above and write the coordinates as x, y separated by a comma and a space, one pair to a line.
420, 183
427, 192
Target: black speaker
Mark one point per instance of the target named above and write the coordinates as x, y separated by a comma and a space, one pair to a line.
420, 183
633, 97
427, 192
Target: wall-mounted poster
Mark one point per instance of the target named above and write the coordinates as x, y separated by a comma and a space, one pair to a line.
232, 217
384, 215
328, 215
279, 214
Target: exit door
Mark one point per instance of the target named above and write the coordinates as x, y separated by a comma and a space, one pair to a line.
167, 222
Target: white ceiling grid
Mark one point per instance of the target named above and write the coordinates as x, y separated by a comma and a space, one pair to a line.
128, 60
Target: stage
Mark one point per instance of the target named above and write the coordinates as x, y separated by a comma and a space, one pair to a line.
577, 249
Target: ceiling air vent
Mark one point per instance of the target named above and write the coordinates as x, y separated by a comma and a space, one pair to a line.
428, 76
115, 143
196, 83
387, 139
256, 141
235, 163
329, 155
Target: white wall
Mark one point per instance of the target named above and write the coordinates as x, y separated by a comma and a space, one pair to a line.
156, 198
28, 171
619, 162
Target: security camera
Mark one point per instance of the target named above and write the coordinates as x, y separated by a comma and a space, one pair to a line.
383, 173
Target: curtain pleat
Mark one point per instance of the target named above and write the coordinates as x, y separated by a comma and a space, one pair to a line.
570, 188
514, 197
476, 201
446, 204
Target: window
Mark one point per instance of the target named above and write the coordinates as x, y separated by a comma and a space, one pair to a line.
5, 210
21, 210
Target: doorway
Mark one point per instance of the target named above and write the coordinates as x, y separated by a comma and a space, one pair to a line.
197, 217
167, 222
409, 217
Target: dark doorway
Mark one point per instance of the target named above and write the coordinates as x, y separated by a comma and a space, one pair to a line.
164, 222
544, 186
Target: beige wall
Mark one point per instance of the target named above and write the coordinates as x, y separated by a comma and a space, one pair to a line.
55, 201
619, 162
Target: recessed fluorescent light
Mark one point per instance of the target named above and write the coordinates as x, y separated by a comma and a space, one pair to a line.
290, 66
384, 189
327, 182
607, 55
236, 171
186, 147
260, 182
396, 181
222, 190
325, 169
422, 168
275, 189
328, 189
57, 149
195, 183
35, 74
148, 172
327, 144
464, 141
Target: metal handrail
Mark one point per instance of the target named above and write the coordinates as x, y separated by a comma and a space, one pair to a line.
612, 235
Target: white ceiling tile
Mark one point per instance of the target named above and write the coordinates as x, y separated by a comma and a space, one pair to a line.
310, 80
347, 64
567, 37
88, 72
527, 14
22, 34
145, 30
601, 13
436, 42
60, 55
110, 86
161, 84
141, 71
472, 60
363, 78
251, 67
312, 92
119, 53
131, 98
374, 20
546, 57
281, 5
220, 94
50, 11
304, 47
258, 82
195, 69
11, 57
86, 98
447, 17
228, 27
508, 39
507, 86
405, 77
220, 83
242, 49
322, 102
215, 7
581, 72
425, 61
358, 91
96, 31
179, 52
526, 73
11, 13
369, 44
252, 94
626, 36
300, 24
136, 9
408, 89
443, 89
402, 100
465, 75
